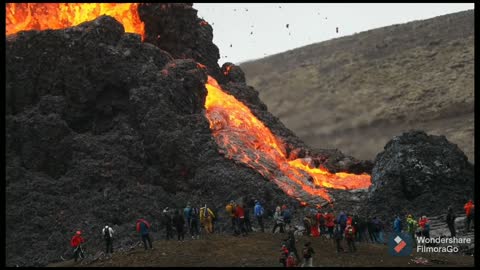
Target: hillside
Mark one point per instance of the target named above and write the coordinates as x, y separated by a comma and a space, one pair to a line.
355, 93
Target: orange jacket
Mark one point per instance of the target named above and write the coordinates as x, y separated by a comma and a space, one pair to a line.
468, 208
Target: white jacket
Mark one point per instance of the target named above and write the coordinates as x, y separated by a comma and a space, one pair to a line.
110, 230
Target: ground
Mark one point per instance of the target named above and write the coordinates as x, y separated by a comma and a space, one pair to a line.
262, 249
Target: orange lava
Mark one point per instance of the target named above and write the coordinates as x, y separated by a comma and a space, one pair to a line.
42, 16
237, 130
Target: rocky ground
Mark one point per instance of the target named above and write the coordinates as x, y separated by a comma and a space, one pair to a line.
356, 92
262, 250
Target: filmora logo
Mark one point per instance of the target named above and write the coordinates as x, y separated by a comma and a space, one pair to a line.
400, 244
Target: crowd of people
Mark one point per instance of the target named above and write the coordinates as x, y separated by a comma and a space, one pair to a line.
343, 226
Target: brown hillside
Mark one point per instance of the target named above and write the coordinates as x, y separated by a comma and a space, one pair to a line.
354, 93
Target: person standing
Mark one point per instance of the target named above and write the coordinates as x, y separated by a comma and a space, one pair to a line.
283, 255
206, 219
308, 255
307, 223
291, 241
194, 222
187, 212
287, 215
179, 222
342, 220
321, 223
337, 237
143, 228
412, 229
258, 212
248, 224
240, 216
424, 224
167, 223
230, 208
470, 213
350, 237
107, 233
451, 221
330, 222
278, 220
397, 225
76, 243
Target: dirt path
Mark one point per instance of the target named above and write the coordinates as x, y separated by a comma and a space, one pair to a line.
262, 249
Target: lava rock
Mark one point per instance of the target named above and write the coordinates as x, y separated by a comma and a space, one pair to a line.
420, 174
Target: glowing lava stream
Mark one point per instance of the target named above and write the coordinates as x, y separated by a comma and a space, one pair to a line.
244, 138
42, 16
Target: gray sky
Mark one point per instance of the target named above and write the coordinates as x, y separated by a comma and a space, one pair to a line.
308, 23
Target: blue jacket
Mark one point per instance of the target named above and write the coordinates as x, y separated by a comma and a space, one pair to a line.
397, 225
143, 229
342, 218
258, 210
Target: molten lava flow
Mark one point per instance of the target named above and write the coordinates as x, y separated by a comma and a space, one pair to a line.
41, 16
242, 137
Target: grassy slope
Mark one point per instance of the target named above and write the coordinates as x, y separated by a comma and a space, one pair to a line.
354, 93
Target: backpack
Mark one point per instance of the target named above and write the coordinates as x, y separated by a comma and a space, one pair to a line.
106, 233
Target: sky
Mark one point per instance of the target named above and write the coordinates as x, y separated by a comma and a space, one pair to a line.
245, 32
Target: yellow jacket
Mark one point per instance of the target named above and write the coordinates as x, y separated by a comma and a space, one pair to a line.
202, 214
229, 209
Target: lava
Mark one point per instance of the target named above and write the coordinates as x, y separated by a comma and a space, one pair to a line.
42, 16
244, 138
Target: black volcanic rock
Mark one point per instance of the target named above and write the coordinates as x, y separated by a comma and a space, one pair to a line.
420, 174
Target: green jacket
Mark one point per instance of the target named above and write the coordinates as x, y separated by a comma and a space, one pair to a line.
411, 225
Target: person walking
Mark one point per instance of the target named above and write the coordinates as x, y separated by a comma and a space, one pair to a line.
321, 223
308, 255
76, 243
258, 212
451, 221
107, 233
179, 222
342, 220
278, 220
143, 228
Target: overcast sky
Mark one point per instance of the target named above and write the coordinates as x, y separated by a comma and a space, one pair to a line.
249, 31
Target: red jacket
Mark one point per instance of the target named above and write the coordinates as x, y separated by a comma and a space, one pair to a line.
76, 240
142, 221
468, 208
422, 222
329, 219
239, 212
349, 220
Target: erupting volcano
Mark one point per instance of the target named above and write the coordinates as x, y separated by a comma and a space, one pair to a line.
238, 133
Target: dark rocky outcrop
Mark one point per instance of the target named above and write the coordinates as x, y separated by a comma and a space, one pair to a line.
420, 174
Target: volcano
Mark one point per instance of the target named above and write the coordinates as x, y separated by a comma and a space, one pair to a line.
115, 111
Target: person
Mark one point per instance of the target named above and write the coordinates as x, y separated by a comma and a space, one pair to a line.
397, 225
342, 220
76, 243
315, 224
206, 218
356, 227
194, 216
283, 255
451, 221
258, 212
246, 212
187, 212
470, 213
230, 208
321, 223
308, 255
240, 216
412, 228
424, 224
287, 215
278, 220
330, 223
143, 227
350, 237
291, 262
291, 241
377, 229
107, 233
179, 222
167, 223
337, 237
307, 223
362, 229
